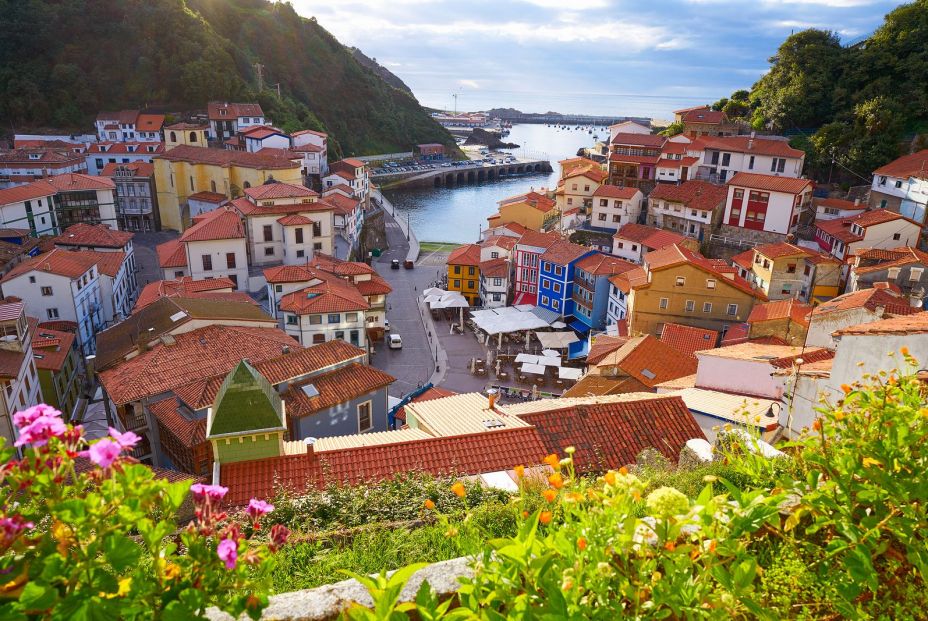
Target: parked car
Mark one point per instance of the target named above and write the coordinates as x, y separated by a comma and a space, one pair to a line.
395, 264
395, 341
408, 264
386, 325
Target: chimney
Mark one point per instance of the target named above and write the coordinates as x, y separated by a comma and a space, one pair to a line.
309, 445
751, 141
857, 202
491, 396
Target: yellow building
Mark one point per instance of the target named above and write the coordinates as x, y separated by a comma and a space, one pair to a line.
464, 272
186, 170
677, 285
532, 210
784, 319
784, 271
185, 134
576, 187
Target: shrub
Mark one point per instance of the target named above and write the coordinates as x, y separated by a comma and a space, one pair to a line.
103, 543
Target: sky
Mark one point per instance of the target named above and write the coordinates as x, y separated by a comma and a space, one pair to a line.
603, 57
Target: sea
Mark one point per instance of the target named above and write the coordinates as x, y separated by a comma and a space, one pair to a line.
458, 214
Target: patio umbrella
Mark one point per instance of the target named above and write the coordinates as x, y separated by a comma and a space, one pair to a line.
498, 363
548, 353
534, 392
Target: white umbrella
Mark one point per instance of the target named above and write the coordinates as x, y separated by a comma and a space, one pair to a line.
558, 325
549, 352
534, 369
549, 361
529, 358
569, 373
434, 291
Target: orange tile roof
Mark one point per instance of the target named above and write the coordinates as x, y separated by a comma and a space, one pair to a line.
669, 256
601, 264
603, 345
171, 254
538, 239
870, 299
198, 354
340, 266
304, 272
138, 169
563, 252
614, 191
28, 191
702, 114
759, 144
652, 362
331, 296
247, 208
108, 263
781, 309
840, 228
220, 223
181, 287
839, 203
76, 182
468, 254
533, 199
208, 197
494, 268
744, 259
62, 262
503, 241
294, 219
93, 235
303, 361
601, 385
648, 236
897, 257
149, 122
343, 384
915, 323
51, 348
780, 249
912, 165
226, 158
278, 189
643, 140
694, 194
189, 431
770, 183
233, 110
634, 159
593, 173
688, 339
375, 286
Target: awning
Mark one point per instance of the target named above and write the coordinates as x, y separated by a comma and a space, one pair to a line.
549, 361
578, 350
569, 373
535, 369
556, 340
529, 358
579, 326
546, 315
524, 298
549, 352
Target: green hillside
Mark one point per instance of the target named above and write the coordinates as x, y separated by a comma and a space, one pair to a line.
62, 61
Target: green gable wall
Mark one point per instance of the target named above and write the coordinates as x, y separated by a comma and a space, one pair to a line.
247, 447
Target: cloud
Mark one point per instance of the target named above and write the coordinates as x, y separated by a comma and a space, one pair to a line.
468, 83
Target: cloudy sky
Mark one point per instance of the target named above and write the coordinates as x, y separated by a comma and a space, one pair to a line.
610, 57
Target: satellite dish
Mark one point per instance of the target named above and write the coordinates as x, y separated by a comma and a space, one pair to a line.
918, 303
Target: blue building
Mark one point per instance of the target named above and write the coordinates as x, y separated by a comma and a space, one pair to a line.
556, 277
591, 289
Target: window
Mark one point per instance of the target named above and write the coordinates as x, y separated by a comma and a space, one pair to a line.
664, 302
365, 420
230, 260
46, 291
617, 218
545, 300
732, 309
602, 217
173, 138
193, 138
497, 282
351, 317
726, 159
546, 283
634, 247
681, 281
471, 271
317, 229
178, 274
279, 288
299, 235
893, 272
621, 245
604, 202
751, 163
32, 280
710, 283
269, 251
212, 186
897, 236
291, 320
915, 273
790, 268
52, 313
557, 287
707, 307
555, 305
207, 262
335, 318
315, 320
457, 270
898, 184
494, 255
300, 254
690, 306
268, 233
191, 184
739, 194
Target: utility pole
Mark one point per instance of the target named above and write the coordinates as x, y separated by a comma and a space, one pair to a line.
259, 71
455, 95
277, 86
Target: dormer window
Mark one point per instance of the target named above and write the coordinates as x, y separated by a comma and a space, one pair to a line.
856, 229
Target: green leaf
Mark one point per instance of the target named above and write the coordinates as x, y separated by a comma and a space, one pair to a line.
176, 493
120, 551
37, 597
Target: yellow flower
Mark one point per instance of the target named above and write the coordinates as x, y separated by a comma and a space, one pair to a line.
549, 495
125, 584
62, 534
570, 450
520, 471
573, 497
846, 388
458, 489
610, 477
869, 461
839, 415
556, 480
623, 471
172, 571
429, 504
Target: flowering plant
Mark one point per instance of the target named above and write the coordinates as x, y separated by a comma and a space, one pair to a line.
87, 532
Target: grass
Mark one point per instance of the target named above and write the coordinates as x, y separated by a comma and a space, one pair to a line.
437, 246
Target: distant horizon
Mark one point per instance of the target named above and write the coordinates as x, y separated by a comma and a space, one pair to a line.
596, 57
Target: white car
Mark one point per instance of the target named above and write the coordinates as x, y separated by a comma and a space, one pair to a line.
386, 325
395, 342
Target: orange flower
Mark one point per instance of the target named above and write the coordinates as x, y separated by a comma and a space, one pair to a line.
670, 546
574, 497
525, 514
846, 388
636, 495
904, 350
623, 471
817, 425
458, 489
712, 546
549, 495
520, 471
544, 517
552, 461
556, 480
581, 544
610, 477
429, 504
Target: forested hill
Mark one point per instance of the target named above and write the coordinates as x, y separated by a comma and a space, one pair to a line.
62, 61
862, 105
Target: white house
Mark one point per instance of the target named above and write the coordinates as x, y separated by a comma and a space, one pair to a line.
494, 281
61, 285
880, 228
850, 309
19, 381
902, 185
326, 310
764, 202
725, 156
693, 208
102, 153
228, 119
215, 246
129, 126
264, 137
614, 207
29, 207
632, 241
617, 303
25, 165
315, 149
834, 208
627, 127
352, 172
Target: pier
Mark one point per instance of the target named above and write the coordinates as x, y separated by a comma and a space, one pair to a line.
468, 173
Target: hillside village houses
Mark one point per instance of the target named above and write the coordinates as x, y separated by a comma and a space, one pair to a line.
902, 186
693, 208
102, 153
19, 381
632, 241
783, 270
48, 206
879, 228
229, 119
904, 268
184, 133
532, 210
129, 126
136, 195
763, 208
613, 207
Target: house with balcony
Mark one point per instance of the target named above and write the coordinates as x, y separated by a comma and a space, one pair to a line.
591, 290
614, 207
19, 380
229, 119
632, 241
763, 208
532, 210
100, 154
531, 245
136, 196
494, 282
129, 126
876, 229
556, 277
328, 310
25, 165
704, 121
58, 364
351, 172
784, 271
369, 284
678, 285
577, 186
61, 285
902, 186
633, 160
464, 272
693, 208
903, 267
725, 156
677, 164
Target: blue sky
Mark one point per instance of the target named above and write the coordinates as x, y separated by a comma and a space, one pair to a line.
582, 56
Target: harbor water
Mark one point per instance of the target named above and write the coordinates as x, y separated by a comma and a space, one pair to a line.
458, 214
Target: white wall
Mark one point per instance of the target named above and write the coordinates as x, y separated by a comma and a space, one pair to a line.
217, 250
745, 377
617, 212
627, 249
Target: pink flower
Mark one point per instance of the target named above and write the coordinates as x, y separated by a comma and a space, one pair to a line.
228, 552
103, 452
213, 492
257, 508
279, 536
26, 417
12, 526
40, 429
126, 440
